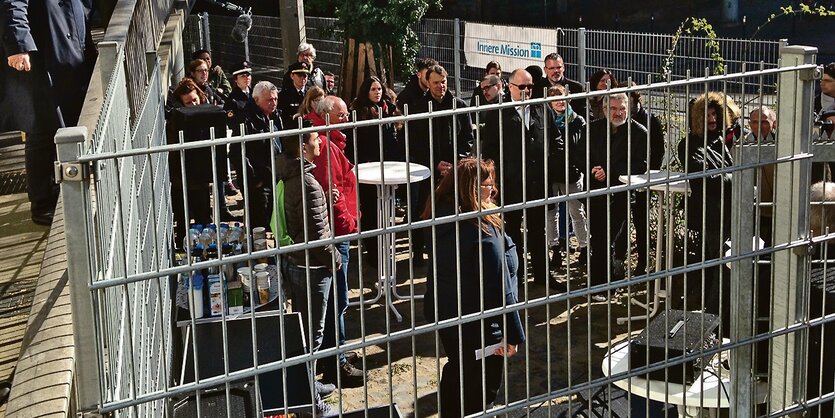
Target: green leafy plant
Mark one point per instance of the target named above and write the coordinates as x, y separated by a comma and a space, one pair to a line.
802, 9
391, 23
694, 26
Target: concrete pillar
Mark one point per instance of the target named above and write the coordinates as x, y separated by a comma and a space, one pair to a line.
292, 28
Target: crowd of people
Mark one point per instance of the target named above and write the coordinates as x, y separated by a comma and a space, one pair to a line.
512, 155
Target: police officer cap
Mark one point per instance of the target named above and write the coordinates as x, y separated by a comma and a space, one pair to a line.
241, 68
299, 67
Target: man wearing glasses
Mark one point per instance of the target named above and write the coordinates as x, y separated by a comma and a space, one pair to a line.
555, 74
616, 146
492, 89
519, 148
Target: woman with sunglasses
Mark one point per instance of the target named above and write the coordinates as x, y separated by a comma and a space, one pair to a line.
487, 262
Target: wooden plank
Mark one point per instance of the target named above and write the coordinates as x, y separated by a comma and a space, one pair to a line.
371, 63
348, 69
360, 67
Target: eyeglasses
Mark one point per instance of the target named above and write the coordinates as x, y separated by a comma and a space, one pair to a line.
488, 87
487, 186
204, 70
523, 86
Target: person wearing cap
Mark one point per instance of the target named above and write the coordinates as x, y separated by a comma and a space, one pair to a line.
316, 77
242, 90
292, 94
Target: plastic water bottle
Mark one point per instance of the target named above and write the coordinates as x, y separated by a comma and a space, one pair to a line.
190, 240
223, 233
207, 236
196, 299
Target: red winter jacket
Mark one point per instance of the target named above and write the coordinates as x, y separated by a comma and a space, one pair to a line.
345, 213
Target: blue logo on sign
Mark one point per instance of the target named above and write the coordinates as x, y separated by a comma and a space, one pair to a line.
536, 50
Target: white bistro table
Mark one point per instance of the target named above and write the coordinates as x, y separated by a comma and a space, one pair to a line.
710, 391
387, 176
674, 182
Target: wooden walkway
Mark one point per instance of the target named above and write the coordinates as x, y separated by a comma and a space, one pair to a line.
22, 245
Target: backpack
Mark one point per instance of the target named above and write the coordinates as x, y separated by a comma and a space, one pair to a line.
280, 229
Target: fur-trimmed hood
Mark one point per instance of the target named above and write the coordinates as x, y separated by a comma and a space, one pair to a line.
714, 98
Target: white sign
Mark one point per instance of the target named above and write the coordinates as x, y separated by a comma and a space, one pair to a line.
511, 46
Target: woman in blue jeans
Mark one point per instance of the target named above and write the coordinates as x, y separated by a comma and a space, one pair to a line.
488, 264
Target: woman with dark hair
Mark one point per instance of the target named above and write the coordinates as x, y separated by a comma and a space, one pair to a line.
198, 70
372, 103
487, 262
493, 68
598, 81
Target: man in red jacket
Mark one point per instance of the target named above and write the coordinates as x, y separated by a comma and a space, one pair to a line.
334, 172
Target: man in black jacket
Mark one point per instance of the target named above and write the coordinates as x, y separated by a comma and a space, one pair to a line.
616, 146
555, 74
520, 147
50, 57
415, 90
259, 116
450, 136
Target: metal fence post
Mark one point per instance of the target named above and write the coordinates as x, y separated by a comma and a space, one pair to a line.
246, 47
581, 55
791, 209
456, 58
75, 198
205, 34
742, 284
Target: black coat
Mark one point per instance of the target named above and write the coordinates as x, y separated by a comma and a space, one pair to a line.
444, 130
258, 153
621, 158
509, 169
707, 191
655, 130
236, 102
56, 36
411, 95
368, 137
568, 144
491, 256
289, 100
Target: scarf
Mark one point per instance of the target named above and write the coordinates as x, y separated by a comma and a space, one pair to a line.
565, 117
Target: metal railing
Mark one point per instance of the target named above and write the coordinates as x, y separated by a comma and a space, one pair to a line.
120, 267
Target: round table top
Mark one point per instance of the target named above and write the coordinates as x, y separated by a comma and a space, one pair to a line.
392, 172
674, 181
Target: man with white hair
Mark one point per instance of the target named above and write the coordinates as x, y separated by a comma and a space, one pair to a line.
519, 147
259, 116
762, 122
616, 147
307, 54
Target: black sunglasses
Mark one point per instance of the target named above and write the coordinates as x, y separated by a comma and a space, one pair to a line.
524, 86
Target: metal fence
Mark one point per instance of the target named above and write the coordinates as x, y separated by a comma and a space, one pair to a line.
574, 360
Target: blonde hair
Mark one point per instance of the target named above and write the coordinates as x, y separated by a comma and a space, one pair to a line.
313, 95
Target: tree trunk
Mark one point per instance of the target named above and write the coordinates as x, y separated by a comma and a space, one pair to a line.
361, 60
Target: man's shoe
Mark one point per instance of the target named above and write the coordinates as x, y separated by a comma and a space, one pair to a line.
553, 284
349, 376
582, 256
5, 390
324, 410
43, 218
556, 259
599, 298
352, 357
325, 390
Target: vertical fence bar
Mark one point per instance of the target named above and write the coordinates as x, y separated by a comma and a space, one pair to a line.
75, 198
456, 57
581, 55
788, 352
